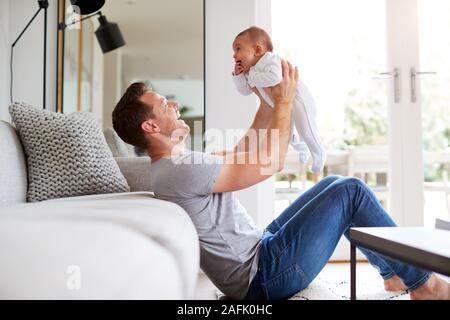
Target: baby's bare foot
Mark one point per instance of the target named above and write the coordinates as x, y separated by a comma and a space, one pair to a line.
434, 289
394, 284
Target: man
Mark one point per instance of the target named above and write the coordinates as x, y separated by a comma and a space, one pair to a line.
239, 258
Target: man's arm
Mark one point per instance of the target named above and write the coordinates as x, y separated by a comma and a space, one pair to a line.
244, 169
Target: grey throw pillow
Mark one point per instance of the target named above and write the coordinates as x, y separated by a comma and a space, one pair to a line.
117, 146
67, 154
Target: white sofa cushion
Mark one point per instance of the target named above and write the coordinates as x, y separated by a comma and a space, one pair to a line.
163, 222
64, 259
13, 170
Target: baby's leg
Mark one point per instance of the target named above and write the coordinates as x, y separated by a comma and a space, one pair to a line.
304, 118
296, 142
299, 145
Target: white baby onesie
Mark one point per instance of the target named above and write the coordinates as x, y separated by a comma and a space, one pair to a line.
305, 138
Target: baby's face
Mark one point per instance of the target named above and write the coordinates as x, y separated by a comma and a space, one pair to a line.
244, 52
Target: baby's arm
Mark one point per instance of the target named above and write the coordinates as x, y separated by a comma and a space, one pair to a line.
241, 84
267, 75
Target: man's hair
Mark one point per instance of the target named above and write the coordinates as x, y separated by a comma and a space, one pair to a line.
129, 114
257, 34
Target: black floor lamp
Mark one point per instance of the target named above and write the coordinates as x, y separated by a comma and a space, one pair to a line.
108, 34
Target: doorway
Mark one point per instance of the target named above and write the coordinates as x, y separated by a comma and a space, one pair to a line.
380, 76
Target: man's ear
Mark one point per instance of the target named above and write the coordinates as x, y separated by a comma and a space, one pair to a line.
149, 126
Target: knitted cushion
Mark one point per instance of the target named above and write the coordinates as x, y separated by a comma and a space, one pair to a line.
67, 155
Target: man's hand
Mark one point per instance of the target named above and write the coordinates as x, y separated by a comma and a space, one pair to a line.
238, 68
284, 92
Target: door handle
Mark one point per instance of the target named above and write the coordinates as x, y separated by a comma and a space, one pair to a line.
396, 74
413, 75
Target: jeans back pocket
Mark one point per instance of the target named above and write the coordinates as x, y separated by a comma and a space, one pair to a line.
284, 284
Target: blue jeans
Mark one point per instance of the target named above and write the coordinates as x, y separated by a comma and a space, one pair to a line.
297, 245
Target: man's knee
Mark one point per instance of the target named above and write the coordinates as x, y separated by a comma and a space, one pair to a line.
352, 181
332, 178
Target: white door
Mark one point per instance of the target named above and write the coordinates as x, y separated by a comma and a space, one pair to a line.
356, 56
406, 165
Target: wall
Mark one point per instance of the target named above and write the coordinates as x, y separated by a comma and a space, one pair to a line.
97, 81
225, 108
28, 52
4, 60
28, 55
112, 85
187, 92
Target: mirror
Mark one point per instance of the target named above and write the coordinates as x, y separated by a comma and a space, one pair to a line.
164, 48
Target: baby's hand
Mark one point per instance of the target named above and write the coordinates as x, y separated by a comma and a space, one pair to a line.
238, 68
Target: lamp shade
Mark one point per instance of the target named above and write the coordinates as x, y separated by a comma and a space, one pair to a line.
87, 6
108, 35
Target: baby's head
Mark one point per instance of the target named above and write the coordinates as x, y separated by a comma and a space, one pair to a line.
250, 45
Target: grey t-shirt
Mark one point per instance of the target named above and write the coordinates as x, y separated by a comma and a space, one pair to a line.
229, 239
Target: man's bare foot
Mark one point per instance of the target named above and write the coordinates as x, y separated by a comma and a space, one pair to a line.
434, 289
394, 284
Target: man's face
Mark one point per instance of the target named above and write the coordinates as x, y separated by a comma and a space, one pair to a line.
167, 116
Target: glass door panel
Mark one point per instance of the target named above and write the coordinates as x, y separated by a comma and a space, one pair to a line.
340, 50
433, 90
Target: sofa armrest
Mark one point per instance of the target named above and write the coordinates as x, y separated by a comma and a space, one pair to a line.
84, 259
137, 172
163, 222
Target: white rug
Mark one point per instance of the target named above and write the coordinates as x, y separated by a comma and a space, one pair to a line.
333, 283
321, 289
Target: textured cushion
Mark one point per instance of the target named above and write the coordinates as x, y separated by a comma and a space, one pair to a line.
66, 155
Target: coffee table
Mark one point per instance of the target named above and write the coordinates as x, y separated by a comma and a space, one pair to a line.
426, 248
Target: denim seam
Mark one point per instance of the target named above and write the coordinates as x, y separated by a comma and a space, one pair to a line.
419, 282
293, 268
392, 273
389, 275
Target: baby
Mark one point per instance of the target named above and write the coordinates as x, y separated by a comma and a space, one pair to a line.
257, 67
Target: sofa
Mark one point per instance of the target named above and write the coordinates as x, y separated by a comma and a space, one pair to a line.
109, 246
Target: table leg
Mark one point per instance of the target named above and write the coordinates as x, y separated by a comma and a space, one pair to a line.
352, 271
